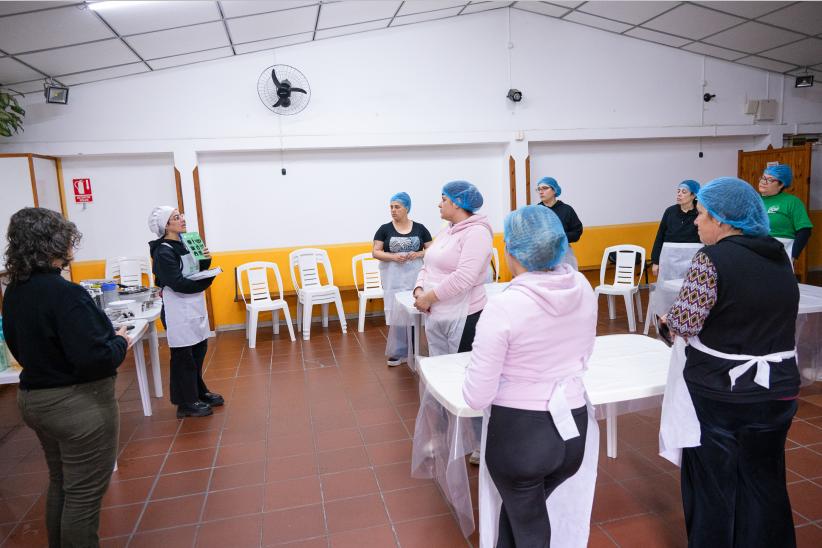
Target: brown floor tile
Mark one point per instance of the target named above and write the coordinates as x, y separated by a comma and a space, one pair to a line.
115, 542
28, 534
181, 484
280, 469
331, 440
598, 539
342, 459
292, 493
288, 445
195, 440
182, 537
293, 524
234, 502
352, 483
809, 536
612, 501
380, 433
804, 433
355, 513
372, 537
389, 452
807, 410
648, 531
12, 509
417, 502
166, 513
146, 447
120, 520
241, 452
804, 462
397, 476
237, 532
23, 484
435, 532
805, 497
627, 465
237, 475
127, 492
189, 460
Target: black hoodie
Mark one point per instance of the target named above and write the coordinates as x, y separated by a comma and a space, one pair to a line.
168, 270
755, 314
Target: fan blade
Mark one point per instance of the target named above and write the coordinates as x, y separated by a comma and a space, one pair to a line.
274, 77
286, 102
301, 90
279, 103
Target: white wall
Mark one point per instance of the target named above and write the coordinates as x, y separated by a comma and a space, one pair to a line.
125, 189
15, 189
48, 190
336, 196
616, 182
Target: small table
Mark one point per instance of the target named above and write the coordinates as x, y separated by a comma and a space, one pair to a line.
144, 326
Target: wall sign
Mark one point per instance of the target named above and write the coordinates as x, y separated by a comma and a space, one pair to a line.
82, 191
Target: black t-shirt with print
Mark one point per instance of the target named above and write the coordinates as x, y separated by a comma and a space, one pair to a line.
395, 242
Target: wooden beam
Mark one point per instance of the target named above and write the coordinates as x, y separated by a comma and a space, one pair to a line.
58, 164
179, 184
512, 176
33, 181
528, 180
198, 202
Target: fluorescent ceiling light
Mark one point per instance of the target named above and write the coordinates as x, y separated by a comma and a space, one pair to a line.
114, 4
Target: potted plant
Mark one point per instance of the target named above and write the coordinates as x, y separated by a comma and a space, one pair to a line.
11, 115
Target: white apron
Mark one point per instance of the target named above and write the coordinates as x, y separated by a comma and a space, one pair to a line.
788, 243
186, 314
674, 261
569, 506
397, 277
679, 426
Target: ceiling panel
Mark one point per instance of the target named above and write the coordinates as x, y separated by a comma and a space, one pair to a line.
750, 10
49, 29
236, 8
766, 64
11, 71
803, 16
274, 42
352, 29
659, 37
475, 7
189, 58
753, 37
542, 8
594, 21
28, 87
564, 4
133, 18
103, 74
355, 11
82, 57
426, 16
419, 6
164, 43
692, 21
7, 8
713, 51
272, 25
627, 12
805, 53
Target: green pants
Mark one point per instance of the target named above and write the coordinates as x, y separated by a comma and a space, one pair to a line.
78, 427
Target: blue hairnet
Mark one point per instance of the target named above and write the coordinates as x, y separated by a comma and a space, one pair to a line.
464, 195
734, 202
550, 181
403, 198
782, 172
534, 236
690, 185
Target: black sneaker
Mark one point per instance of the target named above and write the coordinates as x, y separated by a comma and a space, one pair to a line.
212, 399
196, 409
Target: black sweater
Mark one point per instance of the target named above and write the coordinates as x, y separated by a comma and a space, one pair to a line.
57, 333
676, 226
568, 217
167, 267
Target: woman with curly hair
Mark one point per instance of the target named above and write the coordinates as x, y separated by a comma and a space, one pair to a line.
69, 353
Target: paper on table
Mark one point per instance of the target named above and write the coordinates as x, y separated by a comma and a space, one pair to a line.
205, 274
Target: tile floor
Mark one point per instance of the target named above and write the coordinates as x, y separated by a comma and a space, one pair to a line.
313, 449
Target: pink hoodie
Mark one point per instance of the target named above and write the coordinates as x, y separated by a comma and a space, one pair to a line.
460, 258
537, 332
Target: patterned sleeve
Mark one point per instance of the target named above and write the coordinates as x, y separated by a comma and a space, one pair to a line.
696, 298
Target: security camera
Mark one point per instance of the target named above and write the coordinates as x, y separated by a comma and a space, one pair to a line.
515, 95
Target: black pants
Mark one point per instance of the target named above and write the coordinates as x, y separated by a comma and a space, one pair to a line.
468, 332
186, 375
733, 485
528, 459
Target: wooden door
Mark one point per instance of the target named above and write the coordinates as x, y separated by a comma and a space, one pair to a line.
752, 164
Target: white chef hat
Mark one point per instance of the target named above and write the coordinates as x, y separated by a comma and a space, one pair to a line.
158, 219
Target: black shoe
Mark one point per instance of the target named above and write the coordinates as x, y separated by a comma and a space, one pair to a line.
196, 409
212, 399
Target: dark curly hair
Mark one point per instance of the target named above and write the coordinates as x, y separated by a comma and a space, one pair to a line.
36, 238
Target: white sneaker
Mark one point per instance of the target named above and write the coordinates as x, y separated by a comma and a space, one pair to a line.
474, 458
393, 362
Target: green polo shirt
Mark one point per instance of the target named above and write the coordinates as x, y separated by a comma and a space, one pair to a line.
787, 214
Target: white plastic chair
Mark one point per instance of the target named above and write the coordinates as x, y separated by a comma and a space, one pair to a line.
371, 283
625, 280
130, 270
260, 299
310, 290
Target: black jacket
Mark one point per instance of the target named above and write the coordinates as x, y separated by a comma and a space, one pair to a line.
57, 333
167, 267
676, 226
570, 222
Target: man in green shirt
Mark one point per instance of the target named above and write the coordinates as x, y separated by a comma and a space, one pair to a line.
786, 212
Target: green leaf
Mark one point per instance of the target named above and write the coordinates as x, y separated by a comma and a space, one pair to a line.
18, 109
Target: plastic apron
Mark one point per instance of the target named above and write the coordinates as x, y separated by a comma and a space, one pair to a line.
185, 313
674, 261
679, 425
788, 243
570, 259
569, 506
396, 277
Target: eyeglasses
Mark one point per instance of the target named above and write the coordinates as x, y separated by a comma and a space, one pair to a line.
769, 180
178, 217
